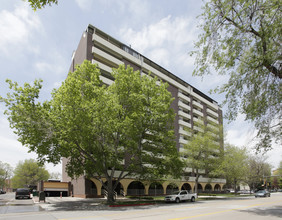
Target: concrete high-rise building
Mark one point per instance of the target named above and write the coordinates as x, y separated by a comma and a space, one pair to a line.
189, 104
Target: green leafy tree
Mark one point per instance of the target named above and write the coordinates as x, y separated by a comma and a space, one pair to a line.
258, 172
55, 175
125, 129
203, 153
242, 39
6, 172
39, 4
234, 165
274, 183
280, 169
28, 173
279, 173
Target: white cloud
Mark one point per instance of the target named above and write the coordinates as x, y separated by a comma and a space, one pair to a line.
16, 29
84, 4
168, 31
160, 56
136, 8
53, 69
166, 41
240, 132
14, 151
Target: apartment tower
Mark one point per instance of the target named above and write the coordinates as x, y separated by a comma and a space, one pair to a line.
189, 104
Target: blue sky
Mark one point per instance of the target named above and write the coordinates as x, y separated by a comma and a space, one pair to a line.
39, 45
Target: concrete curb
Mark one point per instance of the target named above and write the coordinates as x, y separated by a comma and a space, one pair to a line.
140, 204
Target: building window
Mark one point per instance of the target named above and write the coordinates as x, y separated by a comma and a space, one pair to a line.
131, 51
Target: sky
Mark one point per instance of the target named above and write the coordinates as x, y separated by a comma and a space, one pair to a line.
39, 45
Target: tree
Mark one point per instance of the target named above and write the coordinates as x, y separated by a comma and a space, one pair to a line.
203, 152
258, 172
242, 39
39, 4
28, 173
55, 175
5, 173
279, 173
125, 129
234, 165
280, 169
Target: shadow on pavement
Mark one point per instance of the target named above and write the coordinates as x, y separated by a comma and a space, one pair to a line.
275, 211
78, 204
94, 204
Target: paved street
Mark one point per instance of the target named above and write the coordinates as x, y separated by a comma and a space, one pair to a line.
248, 208
8, 204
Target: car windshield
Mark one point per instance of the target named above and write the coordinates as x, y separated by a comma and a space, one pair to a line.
260, 191
23, 190
175, 193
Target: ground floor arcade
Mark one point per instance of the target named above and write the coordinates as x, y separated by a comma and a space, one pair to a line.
128, 187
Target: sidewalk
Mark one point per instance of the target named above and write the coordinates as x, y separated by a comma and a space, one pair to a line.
84, 204
71, 203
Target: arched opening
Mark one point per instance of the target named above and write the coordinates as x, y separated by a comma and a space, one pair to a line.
200, 188
208, 188
118, 190
93, 188
172, 187
225, 189
186, 186
217, 188
136, 188
156, 189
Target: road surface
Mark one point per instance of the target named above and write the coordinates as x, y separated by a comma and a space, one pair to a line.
249, 208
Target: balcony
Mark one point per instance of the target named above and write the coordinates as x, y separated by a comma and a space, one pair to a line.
183, 141
105, 80
186, 124
211, 126
182, 96
102, 66
182, 131
213, 113
195, 103
212, 120
184, 114
183, 105
116, 48
104, 55
197, 112
198, 129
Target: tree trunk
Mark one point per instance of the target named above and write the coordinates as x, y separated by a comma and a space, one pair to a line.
196, 182
111, 195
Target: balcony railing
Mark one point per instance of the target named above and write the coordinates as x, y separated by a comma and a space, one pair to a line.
184, 114
213, 113
212, 120
183, 105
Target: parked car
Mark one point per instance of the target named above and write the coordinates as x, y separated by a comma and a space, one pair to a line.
262, 193
22, 193
179, 196
2, 191
244, 192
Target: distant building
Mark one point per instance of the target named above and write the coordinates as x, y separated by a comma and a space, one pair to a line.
8, 186
55, 188
189, 104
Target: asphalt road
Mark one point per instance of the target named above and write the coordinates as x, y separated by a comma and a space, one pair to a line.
249, 208
8, 204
